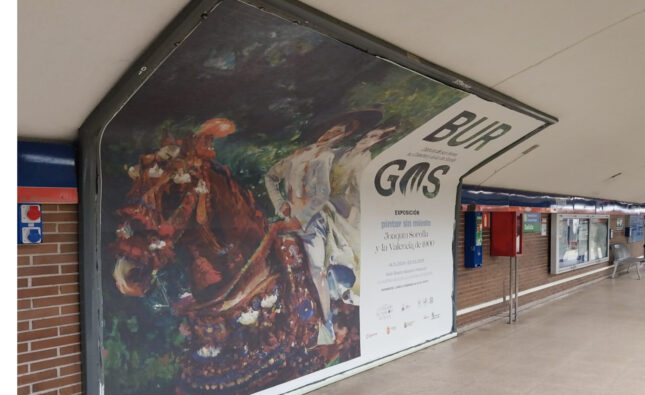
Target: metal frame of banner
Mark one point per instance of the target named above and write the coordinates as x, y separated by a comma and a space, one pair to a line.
136, 75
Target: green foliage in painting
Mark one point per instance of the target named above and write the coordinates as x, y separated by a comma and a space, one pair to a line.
409, 100
131, 366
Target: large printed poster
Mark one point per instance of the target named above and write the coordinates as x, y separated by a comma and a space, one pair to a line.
277, 207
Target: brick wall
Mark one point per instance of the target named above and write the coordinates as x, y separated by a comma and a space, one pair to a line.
490, 281
49, 350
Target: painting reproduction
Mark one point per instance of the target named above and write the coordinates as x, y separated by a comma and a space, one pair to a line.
230, 205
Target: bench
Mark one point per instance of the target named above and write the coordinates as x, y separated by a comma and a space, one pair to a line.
623, 257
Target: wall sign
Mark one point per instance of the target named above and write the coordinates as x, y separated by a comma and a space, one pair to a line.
30, 224
532, 222
276, 207
635, 228
486, 220
619, 223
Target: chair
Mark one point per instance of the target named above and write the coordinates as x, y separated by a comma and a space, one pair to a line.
623, 257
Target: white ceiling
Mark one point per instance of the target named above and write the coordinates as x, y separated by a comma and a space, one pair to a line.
71, 52
582, 61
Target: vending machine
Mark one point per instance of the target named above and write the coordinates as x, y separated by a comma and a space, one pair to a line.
473, 239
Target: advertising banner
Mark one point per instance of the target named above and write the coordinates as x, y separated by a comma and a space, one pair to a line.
277, 207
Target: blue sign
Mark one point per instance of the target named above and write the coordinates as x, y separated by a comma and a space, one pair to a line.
635, 228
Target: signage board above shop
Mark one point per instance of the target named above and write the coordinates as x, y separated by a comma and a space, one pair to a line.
498, 199
46, 173
275, 206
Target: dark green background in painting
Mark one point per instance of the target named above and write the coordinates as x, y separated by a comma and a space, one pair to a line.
273, 79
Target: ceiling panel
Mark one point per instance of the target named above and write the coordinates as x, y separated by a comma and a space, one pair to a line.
71, 52
596, 89
485, 40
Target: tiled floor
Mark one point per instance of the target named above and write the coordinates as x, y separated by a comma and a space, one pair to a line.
590, 342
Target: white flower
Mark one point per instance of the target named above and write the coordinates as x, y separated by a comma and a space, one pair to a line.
201, 187
209, 351
168, 152
155, 171
269, 301
181, 178
134, 171
125, 231
249, 317
157, 245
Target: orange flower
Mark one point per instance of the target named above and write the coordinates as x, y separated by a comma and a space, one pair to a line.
217, 128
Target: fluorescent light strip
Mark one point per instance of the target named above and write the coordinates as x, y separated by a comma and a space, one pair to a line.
47, 159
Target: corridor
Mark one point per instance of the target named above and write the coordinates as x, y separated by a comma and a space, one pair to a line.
589, 342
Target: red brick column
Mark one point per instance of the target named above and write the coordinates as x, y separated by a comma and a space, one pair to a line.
49, 349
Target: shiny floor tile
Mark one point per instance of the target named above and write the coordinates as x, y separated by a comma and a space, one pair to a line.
590, 342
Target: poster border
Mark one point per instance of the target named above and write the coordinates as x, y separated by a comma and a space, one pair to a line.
170, 38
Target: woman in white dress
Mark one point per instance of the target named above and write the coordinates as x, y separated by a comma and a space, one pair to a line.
307, 188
